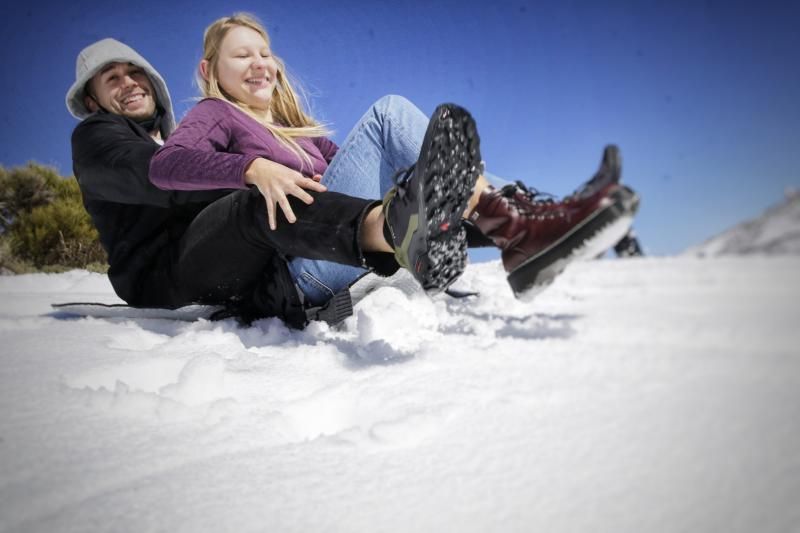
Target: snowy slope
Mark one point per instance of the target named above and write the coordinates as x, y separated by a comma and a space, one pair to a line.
775, 232
637, 395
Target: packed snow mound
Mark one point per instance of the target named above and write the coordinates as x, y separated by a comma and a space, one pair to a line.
776, 232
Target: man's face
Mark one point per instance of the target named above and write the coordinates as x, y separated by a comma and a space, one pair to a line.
122, 89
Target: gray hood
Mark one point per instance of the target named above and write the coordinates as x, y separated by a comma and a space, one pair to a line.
94, 57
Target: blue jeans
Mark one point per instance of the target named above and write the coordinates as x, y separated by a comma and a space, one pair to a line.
387, 139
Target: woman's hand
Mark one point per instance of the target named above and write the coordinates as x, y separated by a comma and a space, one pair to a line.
276, 182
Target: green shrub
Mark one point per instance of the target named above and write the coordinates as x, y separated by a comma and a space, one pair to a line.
44, 223
24, 188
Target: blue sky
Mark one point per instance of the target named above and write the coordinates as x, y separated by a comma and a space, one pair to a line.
702, 97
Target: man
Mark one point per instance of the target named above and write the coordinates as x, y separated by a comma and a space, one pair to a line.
127, 113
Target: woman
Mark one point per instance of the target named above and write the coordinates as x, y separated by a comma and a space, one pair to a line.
250, 131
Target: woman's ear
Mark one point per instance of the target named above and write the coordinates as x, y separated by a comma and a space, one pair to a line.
204, 69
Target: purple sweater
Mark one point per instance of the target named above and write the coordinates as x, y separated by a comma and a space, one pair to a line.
215, 143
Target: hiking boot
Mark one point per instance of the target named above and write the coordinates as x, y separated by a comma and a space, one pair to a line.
607, 175
629, 246
423, 211
540, 236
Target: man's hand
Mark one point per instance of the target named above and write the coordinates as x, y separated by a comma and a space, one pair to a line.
276, 182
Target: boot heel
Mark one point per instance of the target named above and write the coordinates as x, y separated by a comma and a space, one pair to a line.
444, 261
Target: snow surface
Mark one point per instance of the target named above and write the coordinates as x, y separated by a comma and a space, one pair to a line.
633, 395
775, 232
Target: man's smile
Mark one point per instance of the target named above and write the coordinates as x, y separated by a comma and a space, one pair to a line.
133, 99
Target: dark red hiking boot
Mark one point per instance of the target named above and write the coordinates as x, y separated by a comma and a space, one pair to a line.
539, 236
608, 174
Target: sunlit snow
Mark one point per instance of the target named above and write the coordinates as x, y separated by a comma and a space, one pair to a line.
636, 395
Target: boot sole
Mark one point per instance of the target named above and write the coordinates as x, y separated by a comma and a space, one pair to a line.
598, 233
450, 163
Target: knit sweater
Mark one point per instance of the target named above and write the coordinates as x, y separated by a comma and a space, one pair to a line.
216, 142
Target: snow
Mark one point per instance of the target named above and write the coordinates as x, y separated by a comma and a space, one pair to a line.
775, 232
658, 394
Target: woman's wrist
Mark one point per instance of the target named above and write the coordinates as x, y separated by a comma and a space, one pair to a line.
254, 169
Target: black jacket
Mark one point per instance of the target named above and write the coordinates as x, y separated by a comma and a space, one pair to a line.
139, 224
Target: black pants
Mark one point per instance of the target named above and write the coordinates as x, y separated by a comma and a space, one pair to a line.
230, 256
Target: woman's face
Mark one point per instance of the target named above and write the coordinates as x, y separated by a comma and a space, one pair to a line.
246, 69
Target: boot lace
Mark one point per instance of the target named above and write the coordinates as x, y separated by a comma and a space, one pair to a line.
401, 177
528, 201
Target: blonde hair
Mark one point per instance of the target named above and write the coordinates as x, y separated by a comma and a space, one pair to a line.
289, 120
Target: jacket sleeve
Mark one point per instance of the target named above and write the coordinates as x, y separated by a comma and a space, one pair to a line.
197, 156
111, 161
327, 147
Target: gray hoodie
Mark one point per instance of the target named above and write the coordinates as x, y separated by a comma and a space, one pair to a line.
94, 57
